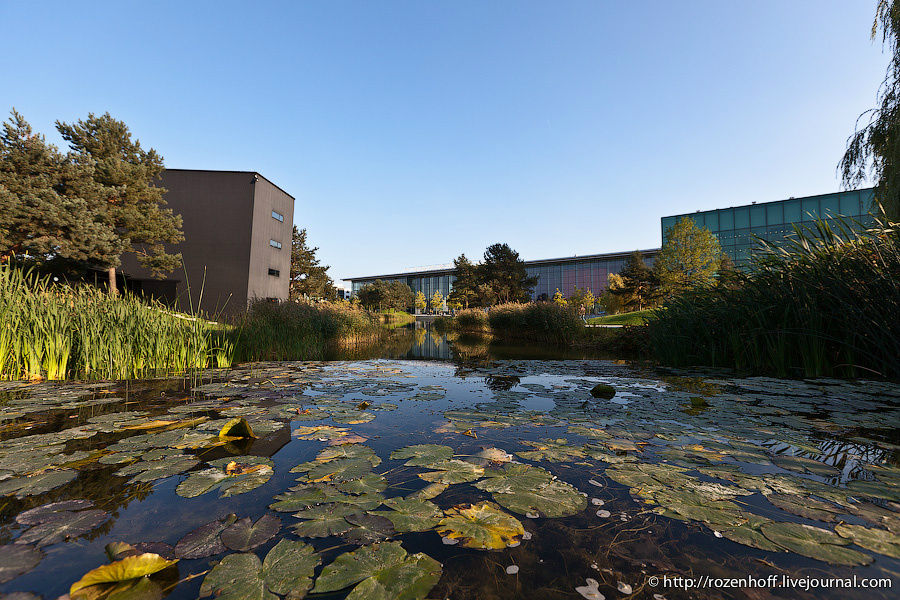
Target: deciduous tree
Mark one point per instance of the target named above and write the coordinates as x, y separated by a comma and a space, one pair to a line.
421, 301
504, 277
437, 301
465, 284
639, 287
690, 258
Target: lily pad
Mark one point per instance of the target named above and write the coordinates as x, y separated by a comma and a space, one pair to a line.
423, 455
236, 428
244, 534
287, 569
204, 541
411, 514
130, 567
484, 526
876, 540
368, 528
324, 520
231, 476
380, 571
514, 476
813, 542
453, 471
31, 485
554, 499
151, 470
65, 526
558, 450
49, 512
17, 559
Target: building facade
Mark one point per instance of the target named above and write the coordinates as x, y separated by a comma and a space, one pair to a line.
739, 227
564, 274
237, 228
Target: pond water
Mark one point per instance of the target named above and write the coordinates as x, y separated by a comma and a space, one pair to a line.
473, 478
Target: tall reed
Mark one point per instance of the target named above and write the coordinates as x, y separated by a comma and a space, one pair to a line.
59, 331
823, 304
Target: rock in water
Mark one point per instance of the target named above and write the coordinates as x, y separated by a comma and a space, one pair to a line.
601, 390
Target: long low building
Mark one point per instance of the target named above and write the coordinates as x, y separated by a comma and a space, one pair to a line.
738, 229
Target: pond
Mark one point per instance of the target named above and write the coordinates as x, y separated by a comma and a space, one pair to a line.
474, 478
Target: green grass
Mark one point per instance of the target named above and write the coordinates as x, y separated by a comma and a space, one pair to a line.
638, 317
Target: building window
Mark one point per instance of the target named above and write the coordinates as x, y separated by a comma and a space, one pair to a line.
278, 216
274, 272
275, 244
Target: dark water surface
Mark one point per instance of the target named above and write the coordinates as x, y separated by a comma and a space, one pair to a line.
678, 475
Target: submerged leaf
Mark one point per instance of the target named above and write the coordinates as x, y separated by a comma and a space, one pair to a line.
814, 542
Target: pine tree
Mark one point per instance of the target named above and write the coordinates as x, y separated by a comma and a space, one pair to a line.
465, 284
134, 206
308, 278
50, 204
639, 286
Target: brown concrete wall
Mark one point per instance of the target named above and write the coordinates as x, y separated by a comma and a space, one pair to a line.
216, 208
266, 198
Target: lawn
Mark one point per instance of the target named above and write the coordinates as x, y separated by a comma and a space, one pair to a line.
632, 318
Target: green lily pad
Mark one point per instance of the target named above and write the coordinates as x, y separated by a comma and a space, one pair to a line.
805, 506
423, 455
367, 484
65, 525
204, 541
411, 514
231, 476
355, 451
453, 471
558, 450
324, 520
380, 571
512, 477
554, 499
151, 470
484, 526
876, 540
17, 559
432, 490
813, 542
287, 569
244, 535
339, 469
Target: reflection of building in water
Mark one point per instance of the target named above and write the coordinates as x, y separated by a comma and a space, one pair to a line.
737, 229
428, 344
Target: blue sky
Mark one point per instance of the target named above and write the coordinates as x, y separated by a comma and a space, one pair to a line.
412, 131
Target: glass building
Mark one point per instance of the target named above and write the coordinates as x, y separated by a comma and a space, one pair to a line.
738, 227
564, 274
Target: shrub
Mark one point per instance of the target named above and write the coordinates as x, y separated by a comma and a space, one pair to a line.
541, 322
298, 330
471, 319
823, 305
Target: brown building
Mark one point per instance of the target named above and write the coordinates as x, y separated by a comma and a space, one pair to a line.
237, 246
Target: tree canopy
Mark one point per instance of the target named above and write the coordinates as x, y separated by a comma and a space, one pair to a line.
690, 258
384, 295
51, 206
465, 284
503, 276
636, 284
309, 279
873, 151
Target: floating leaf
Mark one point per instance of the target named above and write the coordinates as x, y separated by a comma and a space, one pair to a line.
204, 541
49, 512
876, 540
483, 525
62, 527
130, 567
453, 471
231, 476
236, 428
411, 514
554, 499
31, 485
557, 450
339, 469
151, 470
814, 542
514, 476
349, 451
380, 571
244, 534
432, 490
367, 484
324, 520
423, 455
321, 432
287, 568
17, 559
805, 507
368, 528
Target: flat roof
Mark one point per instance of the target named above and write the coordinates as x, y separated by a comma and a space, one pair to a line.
770, 202
229, 171
528, 263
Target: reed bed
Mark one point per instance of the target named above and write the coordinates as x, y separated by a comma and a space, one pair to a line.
301, 331
536, 321
825, 304
55, 331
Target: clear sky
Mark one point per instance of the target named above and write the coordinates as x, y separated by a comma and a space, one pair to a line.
412, 131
